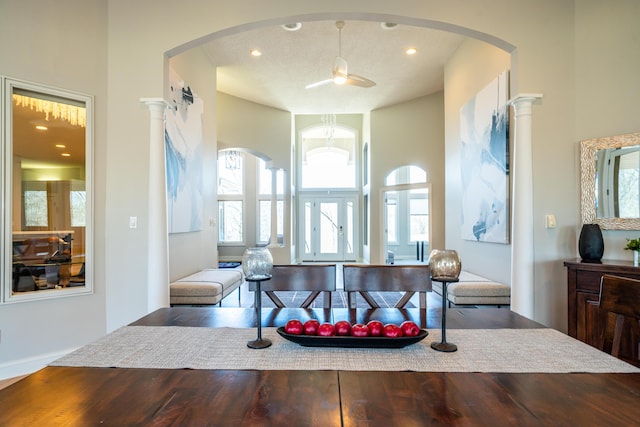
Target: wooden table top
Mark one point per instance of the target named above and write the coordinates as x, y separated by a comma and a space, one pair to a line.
106, 396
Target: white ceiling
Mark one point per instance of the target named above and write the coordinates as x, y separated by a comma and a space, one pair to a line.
293, 59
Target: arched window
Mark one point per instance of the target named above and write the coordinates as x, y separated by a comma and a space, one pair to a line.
230, 196
406, 175
328, 148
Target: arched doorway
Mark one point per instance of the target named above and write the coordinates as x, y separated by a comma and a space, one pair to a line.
406, 225
328, 193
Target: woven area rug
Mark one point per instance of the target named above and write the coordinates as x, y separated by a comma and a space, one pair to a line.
479, 350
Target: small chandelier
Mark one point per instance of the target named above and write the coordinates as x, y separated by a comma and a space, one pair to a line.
329, 121
76, 116
232, 160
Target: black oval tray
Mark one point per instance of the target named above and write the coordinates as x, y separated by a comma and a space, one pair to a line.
352, 342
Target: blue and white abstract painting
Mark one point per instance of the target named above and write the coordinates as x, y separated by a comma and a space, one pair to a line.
484, 163
183, 153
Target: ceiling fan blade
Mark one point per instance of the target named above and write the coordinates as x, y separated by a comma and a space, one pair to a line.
320, 83
355, 80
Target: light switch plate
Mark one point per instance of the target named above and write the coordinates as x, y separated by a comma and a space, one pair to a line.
133, 222
550, 221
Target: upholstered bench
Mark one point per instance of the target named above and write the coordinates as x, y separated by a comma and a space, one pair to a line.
207, 287
472, 289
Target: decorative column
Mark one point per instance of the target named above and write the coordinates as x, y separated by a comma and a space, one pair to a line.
274, 208
158, 230
522, 250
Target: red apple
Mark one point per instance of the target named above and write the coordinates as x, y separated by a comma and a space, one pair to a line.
391, 330
294, 327
359, 330
343, 327
310, 327
409, 328
326, 330
375, 328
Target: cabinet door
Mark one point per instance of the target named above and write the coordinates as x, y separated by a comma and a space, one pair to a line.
589, 324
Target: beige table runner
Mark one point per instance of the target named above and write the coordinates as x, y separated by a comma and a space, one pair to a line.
479, 350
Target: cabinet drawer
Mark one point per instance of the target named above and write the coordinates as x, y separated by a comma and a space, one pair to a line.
588, 281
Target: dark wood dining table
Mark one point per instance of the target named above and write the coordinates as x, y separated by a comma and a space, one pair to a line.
84, 396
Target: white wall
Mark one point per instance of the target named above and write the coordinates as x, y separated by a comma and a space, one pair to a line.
262, 131
607, 85
190, 252
561, 52
410, 133
47, 43
541, 63
473, 66
541, 55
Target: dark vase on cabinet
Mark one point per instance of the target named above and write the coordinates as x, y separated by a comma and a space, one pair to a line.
591, 243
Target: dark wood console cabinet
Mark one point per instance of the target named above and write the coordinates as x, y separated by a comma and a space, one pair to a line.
583, 285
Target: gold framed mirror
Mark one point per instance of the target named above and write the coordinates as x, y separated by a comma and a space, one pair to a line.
610, 181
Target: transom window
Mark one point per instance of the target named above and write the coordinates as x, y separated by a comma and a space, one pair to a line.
327, 148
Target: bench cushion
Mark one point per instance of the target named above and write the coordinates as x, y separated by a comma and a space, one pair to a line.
472, 289
208, 286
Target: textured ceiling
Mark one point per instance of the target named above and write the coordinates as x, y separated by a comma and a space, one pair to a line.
293, 59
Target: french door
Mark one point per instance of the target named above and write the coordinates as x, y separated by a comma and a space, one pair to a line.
327, 230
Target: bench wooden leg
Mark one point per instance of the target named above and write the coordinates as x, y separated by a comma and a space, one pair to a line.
369, 299
273, 297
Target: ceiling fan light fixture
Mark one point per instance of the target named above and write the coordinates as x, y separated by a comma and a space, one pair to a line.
339, 79
340, 73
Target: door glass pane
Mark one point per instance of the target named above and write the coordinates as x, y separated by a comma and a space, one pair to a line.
419, 220
328, 228
349, 232
392, 221
307, 228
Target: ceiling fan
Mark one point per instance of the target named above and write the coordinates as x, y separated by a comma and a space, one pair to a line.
340, 75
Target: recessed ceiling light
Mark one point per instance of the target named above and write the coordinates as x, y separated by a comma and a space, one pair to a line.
388, 25
292, 27
61, 146
412, 51
40, 127
66, 155
255, 52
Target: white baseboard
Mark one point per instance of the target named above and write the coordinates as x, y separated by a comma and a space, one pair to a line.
29, 365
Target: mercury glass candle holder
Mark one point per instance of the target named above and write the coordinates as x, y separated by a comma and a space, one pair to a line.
257, 263
444, 267
444, 264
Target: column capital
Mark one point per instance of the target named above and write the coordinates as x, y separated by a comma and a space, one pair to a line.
524, 100
155, 104
151, 102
